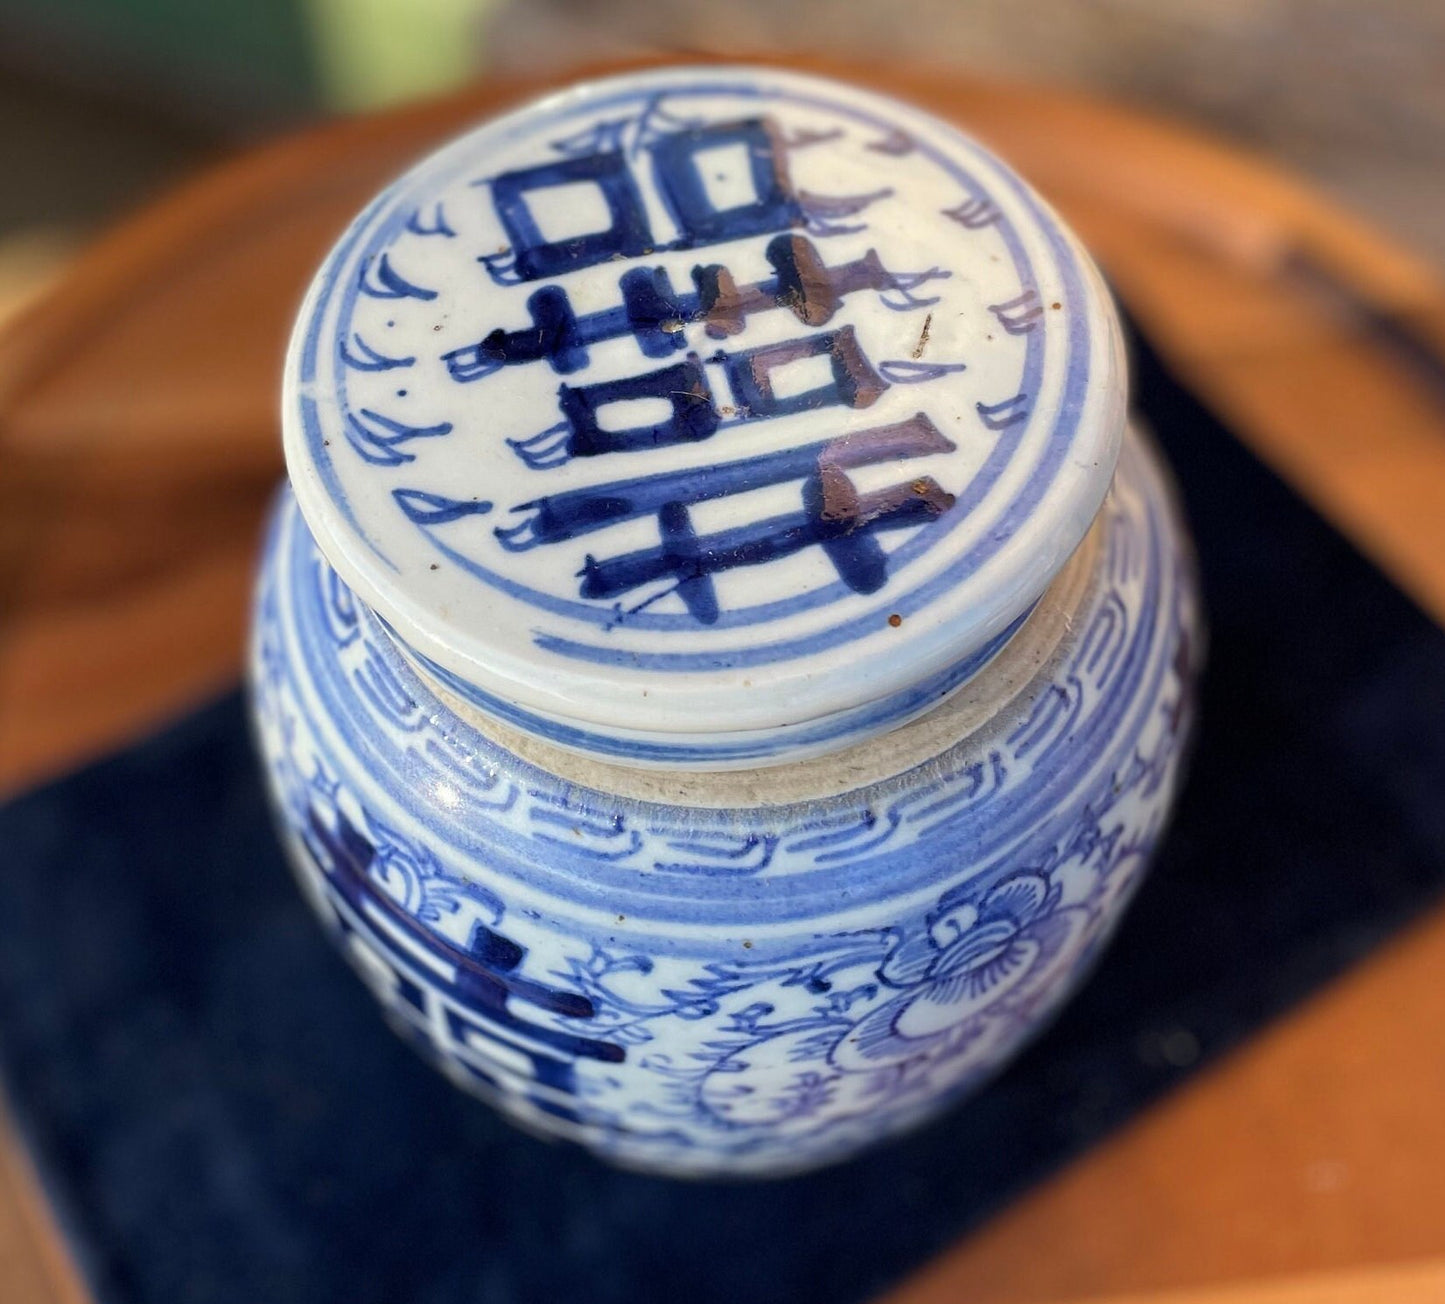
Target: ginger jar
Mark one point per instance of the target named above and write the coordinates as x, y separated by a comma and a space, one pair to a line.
722, 659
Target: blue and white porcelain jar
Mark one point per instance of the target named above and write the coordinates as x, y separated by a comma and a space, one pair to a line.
722, 662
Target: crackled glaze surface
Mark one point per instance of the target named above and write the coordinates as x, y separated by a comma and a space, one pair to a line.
704, 417
736, 989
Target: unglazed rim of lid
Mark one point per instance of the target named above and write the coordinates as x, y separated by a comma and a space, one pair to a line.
813, 558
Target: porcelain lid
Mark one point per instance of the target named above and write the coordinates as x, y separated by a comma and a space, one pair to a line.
694, 414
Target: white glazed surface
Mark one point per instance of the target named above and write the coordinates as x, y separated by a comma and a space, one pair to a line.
449, 481
734, 987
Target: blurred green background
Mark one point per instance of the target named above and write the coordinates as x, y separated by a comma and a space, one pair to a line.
103, 101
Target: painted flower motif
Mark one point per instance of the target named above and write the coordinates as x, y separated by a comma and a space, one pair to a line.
977, 961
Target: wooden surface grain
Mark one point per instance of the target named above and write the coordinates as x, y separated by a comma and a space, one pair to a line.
1314, 1149
138, 446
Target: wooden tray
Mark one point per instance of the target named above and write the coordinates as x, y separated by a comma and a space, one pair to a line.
139, 444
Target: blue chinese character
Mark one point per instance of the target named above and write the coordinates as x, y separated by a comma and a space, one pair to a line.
694, 413
683, 386
852, 382
627, 236
654, 313
483, 974
834, 515
677, 167
676, 162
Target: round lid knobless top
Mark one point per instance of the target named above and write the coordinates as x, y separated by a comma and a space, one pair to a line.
704, 416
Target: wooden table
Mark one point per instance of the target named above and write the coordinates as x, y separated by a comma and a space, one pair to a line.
138, 443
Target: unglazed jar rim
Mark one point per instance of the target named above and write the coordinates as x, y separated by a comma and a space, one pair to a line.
834, 703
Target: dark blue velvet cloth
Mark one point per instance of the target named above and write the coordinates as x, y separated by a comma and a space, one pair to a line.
220, 1115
